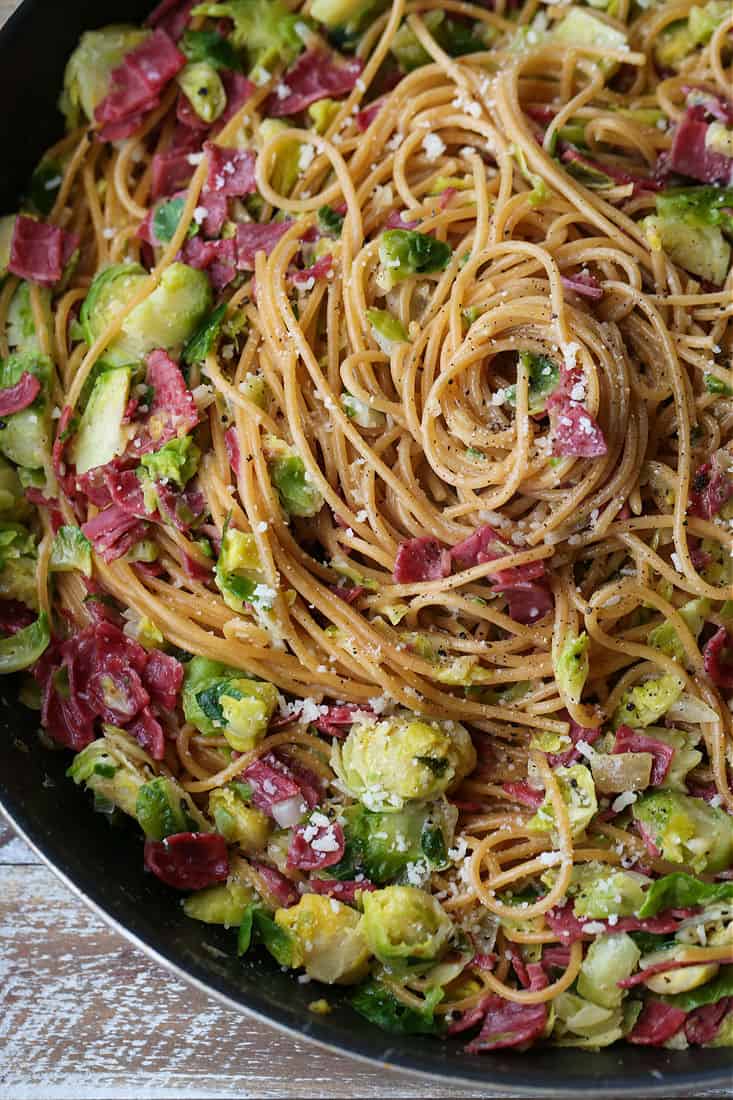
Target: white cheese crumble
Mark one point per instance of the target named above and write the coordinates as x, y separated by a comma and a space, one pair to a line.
433, 146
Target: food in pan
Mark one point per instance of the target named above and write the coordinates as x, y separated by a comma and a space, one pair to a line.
367, 495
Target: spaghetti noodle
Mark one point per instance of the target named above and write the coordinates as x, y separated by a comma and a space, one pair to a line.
386, 537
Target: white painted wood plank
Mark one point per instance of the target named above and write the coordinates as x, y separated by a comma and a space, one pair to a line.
84, 1014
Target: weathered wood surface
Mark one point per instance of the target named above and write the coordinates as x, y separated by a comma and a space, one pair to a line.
86, 1016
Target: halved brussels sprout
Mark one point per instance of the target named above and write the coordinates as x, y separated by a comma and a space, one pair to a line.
330, 938
13, 505
609, 960
237, 822
18, 565
166, 319
405, 252
112, 770
686, 830
101, 434
176, 462
203, 87
386, 846
223, 904
162, 809
71, 551
298, 495
600, 892
581, 1023
402, 922
265, 28
25, 436
88, 72
20, 325
579, 794
647, 702
219, 699
403, 758
571, 668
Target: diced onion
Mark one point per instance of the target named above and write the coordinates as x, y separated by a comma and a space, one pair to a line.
689, 709
289, 812
622, 771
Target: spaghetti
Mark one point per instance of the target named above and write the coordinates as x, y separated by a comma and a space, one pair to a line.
386, 537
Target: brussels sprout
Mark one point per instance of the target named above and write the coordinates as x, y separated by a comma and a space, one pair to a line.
405, 252
601, 892
581, 28
361, 413
101, 435
285, 168
379, 1006
177, 461
165, 319
167, 218
237, 822
390, 762
579, 794
678, 40
385, 846
609, 960
571, 667
173, 312
338, 13
13, 504
23, 649
239, 575
322, 113
298, 495
203, 340
581, 1023
265, 28
203, 87
664, 636
455, 38
223, 904
645, 703
698, 248
88, 72
71, 551
217, 699
202, 675
161, 809
674, 982
103, 769
20, 328
7, 228
543, 375
211, 47
25, 436
687, 830
387, 329
110, 291
330, 938
144, 631
18, 564
402, 922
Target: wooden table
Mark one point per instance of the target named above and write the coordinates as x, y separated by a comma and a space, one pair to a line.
86, 1016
